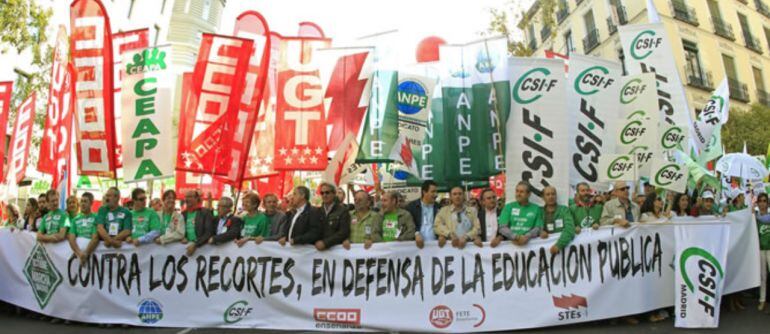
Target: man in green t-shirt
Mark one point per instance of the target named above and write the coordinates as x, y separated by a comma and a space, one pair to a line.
145, 222
55, 223
84, 226
113, 222
521, 220
586, 211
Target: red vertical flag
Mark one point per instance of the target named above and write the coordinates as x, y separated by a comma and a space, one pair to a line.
21, 139
6, 90
91, 50
121, 43
186, 181
301, 142
345, 89
214, 98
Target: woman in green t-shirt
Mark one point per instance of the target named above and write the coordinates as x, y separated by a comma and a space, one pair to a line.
14, 218
256, 225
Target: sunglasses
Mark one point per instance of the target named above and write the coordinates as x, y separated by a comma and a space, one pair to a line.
327, 192
141, 198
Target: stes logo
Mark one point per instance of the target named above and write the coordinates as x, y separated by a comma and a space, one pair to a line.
709, 272
576, 307
532, 84
631, 90
441, 316
644, 43
592, 79
668, 174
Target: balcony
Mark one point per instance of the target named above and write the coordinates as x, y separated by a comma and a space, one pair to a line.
745, 2
683, 12
611, 26
699, 78
532, 44
622, 15
562, 14
591, 41
738, 90
752, 43
763, 98
762, 8
545, 33
723, 28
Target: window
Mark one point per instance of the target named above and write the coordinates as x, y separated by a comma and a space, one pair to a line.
744, 25
206, 13
692, 59
767, 36
568, 45
729, 63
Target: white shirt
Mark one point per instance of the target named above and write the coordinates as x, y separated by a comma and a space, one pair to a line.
491, 222
294, 220
221, 226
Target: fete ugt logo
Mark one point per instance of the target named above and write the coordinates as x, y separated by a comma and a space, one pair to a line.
708, 272
42, 275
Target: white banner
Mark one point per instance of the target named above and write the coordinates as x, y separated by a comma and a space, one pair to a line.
605, 273
592, 95
147, 105
701, 265
714, 114
537, 128
669, 175
617, 167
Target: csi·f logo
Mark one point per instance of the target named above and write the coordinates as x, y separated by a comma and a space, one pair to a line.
644, 43
633, 130
592, 79
619, 167
631, 90
671, 138
532, 84
669, 174
709, 272
147, 61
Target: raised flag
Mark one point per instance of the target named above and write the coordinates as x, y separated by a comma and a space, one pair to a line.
672, 137
669, 175
123, 42
617, 167
338, 172
380, 129
414, 96
637, 131
707, 128
301, 143
91, 53
21, 140
6, 91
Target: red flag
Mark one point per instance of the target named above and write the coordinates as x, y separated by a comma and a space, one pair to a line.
21, 139
6, 90
91, 50
279, 184
186, 181
345, 90
554, 55
310, 29
215, 94
250, 25
121, 43
301, 142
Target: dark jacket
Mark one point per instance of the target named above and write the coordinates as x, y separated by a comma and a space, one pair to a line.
205, 227
307, 229
483, 221
279, 226
234, 226
336, 225
415, 208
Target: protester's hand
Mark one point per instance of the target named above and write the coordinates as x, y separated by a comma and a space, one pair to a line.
595, 226
455, 242
623, 223
419, 241
117, 243
129, 240
554, 249
190, 249
544, 234
157, 241
282, 241
136, 242
346, 244
441, 241
320, 245
184, 241
258, 240
242, 241
461, 242
521, 240
368, 243
577, 229
495, 241
211, 240
478, 242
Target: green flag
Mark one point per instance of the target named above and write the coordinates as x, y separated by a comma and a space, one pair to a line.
381, 122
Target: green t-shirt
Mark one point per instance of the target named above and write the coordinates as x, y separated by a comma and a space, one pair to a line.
257, 225
763, 225
189, 225
83, 226
521, 219
54, 221
143, 222
114, 221
390, 229
586, 216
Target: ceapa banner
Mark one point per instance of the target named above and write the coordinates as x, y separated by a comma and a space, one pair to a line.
147, 101
538, 129
476, 103
91, 52
648, 50
123, 42
669, 175
701, 266
21, 140
617, 167
6, 91
593, 87
605, 273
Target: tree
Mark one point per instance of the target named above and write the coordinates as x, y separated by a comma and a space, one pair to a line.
499, 24
749, 126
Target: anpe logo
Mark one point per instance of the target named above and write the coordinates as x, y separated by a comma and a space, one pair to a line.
631, 91
576, 307
709, 273
237, 311
441, 316
593, 79
150, 311
668, 174
412, 97
484, 61
619, 167
529, 82
644, 43
349, 316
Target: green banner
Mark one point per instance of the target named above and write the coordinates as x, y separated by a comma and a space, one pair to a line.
381, 121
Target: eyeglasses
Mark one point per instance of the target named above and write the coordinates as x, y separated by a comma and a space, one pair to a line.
328, 192
141, 198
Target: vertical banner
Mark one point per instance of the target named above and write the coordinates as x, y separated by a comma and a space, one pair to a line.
668, 175
617, 167
636, 130
701, 264
250, 25
187, 181
476, 98
380, 129
648, 50
537, 130
593, 88
6, 91
147, 102
216, 90
21, 139
301, 143
123, 42
91, 52
414, 95
707, 130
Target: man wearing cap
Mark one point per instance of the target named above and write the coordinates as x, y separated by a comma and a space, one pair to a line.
706, 206
619, 210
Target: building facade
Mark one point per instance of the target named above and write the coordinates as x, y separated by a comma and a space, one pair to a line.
710, 39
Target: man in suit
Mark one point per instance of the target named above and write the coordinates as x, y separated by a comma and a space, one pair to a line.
488, 214
199, 222
424, 211
228, 226
336, 221
305, 220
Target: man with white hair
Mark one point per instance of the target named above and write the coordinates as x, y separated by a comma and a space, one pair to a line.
228, 226
620, 210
